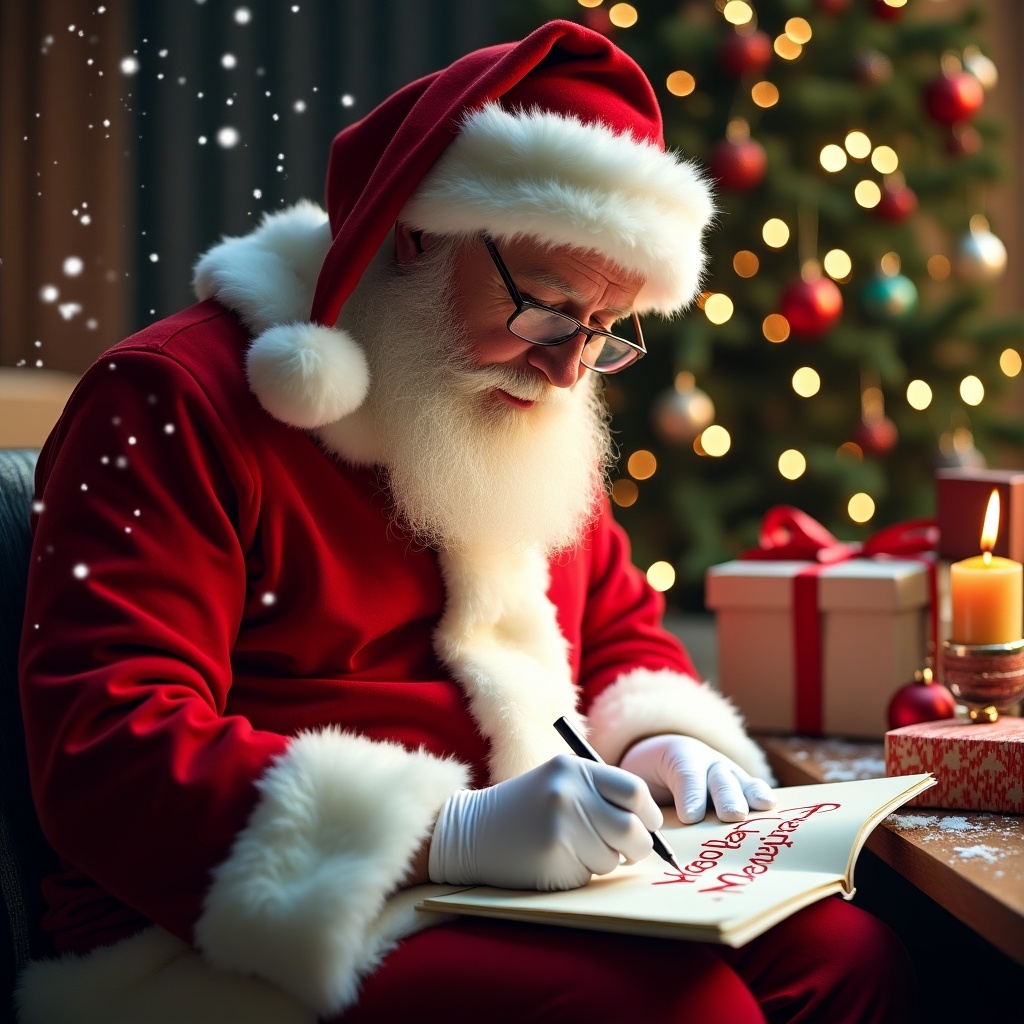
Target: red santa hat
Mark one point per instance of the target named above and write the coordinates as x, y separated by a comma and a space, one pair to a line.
557, 137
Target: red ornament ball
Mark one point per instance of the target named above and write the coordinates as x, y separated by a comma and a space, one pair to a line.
738, 166
747, 54
954, 98
920, 701
876, 436
811, 307
896, 204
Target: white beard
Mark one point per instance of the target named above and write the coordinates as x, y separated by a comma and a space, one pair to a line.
466, 473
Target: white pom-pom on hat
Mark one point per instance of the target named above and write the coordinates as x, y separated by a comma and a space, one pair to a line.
307, 375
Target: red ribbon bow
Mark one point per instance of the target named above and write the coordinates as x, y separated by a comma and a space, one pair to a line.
789, 534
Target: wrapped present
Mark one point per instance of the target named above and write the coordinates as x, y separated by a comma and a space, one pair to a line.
961, 499
976, 767
818, 645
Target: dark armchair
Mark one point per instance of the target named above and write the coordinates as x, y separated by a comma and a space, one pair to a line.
24, 854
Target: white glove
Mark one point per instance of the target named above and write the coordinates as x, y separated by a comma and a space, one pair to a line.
684, 770
551, 828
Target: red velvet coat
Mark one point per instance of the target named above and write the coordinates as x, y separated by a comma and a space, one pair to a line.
211, 592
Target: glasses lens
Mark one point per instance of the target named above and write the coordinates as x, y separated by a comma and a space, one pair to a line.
611, 353
543, 326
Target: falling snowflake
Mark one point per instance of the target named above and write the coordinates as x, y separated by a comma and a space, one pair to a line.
257, 193
299, 106
228, 137
130, 65
229, 60
68, 310
154, 257
348, 100
80, 571
243, 15
269, 598
73, 266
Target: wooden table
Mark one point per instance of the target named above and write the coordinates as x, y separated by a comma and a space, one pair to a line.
969, 862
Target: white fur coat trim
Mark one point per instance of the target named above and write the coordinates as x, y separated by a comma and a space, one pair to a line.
500, 637
303, 374
564, 182
644, 703
303, 907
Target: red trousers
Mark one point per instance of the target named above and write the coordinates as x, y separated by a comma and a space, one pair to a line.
831, 963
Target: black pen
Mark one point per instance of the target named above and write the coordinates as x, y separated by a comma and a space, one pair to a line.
581, 748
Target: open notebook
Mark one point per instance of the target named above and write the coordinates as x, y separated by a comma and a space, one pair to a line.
737, 879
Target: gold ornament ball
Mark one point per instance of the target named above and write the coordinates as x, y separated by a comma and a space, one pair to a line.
980, 256
679, 416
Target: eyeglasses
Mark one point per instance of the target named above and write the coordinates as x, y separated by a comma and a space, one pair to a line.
542, 325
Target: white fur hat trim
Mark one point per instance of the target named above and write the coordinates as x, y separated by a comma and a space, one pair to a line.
554, 178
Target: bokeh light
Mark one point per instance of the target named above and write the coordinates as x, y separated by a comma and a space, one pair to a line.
718, 308
799, 30
746, 263
775, 232
861, 507
919, 395
715, 440
775, 328
680, 83
884, 159
972, 391
832, 157
623, 15
642, 464
764, 94
792, 464
661, 576
867, 193
806, 382
737, 12
939, 267
625, 493
838, 264
858, 145
1010, 362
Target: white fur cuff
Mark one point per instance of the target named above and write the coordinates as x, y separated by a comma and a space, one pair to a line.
643, 703
299, 901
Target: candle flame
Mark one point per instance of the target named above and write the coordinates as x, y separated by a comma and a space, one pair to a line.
990, 529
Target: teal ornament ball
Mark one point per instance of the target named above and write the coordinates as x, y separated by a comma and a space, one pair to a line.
887, 299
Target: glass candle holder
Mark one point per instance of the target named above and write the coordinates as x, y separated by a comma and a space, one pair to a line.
987, 678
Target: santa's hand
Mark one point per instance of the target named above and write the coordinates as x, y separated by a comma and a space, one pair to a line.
551, 828
683, 770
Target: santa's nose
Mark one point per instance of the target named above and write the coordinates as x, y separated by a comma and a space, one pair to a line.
559, 363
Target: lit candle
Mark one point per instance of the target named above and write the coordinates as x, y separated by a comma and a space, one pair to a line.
987, 591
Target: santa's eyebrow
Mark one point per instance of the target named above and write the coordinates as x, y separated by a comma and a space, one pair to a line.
558, 284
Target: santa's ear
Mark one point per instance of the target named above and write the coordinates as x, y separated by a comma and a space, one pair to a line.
409, 243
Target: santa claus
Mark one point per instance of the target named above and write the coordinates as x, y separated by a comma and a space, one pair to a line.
320, 560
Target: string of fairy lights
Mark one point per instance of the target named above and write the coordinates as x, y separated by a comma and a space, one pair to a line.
814, 303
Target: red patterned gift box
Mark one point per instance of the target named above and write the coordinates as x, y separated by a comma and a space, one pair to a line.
976, 767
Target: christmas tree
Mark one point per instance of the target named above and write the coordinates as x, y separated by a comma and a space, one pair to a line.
842, 349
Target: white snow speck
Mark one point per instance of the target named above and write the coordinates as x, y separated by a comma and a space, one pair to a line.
73, 266
228, 137
137, 512
229, 60
85, 487
299, 106
68, 310
269, 598
202, 140
257, 193
243, 15
121, 462
80, 571
132, 440
37, 507
348, 100
154, 257
168, 428
129, 65
49, 293
989, 854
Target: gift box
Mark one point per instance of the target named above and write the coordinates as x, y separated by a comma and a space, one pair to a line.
976, 767
961, 499
819, 649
